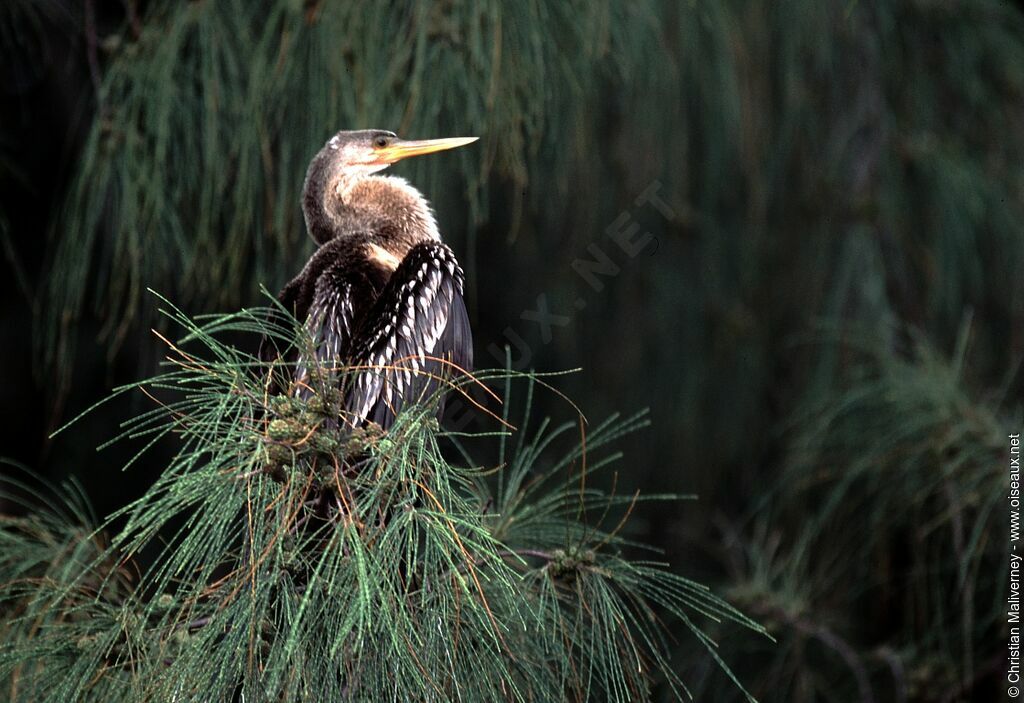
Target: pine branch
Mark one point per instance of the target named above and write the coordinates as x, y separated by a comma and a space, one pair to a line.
298, 558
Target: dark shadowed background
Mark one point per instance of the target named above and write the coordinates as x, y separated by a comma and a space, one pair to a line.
793, 229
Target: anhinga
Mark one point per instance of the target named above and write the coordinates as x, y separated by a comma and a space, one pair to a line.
382, 295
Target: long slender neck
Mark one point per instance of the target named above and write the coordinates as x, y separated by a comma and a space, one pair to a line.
385, 207
320, 223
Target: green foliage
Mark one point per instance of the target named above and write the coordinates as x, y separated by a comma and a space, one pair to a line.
297, 561
849, 161
53, 556
892, 509
191, 175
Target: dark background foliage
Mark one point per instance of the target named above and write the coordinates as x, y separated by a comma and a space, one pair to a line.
804, 218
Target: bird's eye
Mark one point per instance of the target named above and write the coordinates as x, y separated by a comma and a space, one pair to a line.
381, 141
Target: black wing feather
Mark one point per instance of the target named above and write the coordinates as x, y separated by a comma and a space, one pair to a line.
417, 336
328, 325
329, 296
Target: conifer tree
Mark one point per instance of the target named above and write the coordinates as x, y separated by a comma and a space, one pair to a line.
295, 559
857, 163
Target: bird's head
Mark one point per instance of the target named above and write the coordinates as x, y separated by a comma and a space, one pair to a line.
366, 151
350, 156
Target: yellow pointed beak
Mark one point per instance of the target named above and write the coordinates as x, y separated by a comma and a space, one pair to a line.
402, 149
